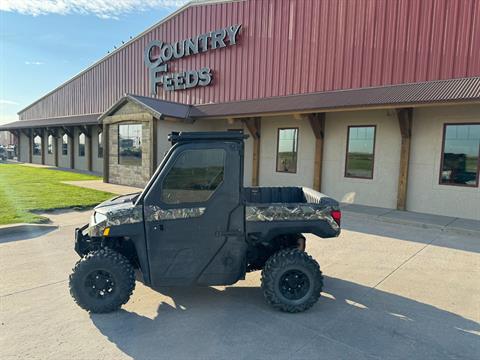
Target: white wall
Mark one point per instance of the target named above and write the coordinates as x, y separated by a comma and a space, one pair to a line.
424, 192
382, 189
164, 128
268, 152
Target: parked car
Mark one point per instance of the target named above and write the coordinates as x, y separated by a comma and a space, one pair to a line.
3, 153
196, 224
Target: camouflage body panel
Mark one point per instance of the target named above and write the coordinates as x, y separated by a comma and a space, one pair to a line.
127, 213
124, 214
290, 212
118, 214
154, 213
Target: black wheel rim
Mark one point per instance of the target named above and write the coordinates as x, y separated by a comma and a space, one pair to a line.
294, 284
100, 284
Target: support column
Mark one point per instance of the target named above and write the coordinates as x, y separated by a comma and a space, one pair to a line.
153, 146
87, 131
70, 131
55, 146
254, 125
106, 151
16, 134
42, 146
405, 117
30, 146
317, 123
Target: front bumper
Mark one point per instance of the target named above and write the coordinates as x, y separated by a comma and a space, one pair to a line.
82, 240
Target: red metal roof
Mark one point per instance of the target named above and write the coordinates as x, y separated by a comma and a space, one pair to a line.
289, 47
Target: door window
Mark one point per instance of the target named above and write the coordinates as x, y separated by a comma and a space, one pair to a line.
194, 177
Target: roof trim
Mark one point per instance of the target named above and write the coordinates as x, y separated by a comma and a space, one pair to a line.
191, 3
55, 122
448, 91
156, 107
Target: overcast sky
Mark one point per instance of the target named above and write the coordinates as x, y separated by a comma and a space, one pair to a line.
45, 42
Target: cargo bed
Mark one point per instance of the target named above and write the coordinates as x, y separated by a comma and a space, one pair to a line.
270, 211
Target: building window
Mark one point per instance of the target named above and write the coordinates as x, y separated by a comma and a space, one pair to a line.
460, 155
100, 145
50, 144
194, 177
65, 144
360, 152
287, 146
37, 145
130, 144
81, 144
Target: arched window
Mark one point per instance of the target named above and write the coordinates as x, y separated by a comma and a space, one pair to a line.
65, 144
37, 145
50, 144
100, 144
81, 144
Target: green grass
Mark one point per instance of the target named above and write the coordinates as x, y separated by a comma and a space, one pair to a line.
24, 189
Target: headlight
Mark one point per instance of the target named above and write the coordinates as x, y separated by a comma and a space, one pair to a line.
97, 225
97, 218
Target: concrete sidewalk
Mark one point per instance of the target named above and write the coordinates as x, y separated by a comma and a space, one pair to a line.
445, 223
51, 167
107, 187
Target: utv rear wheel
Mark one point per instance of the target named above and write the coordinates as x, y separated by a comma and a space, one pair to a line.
102, 281
292, 281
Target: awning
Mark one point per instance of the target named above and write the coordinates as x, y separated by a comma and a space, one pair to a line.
431, 92
80, 120
450, 91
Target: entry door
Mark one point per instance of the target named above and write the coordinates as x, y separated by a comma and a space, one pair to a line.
194, 221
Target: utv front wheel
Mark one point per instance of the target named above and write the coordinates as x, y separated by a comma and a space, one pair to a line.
102, 281
291, 281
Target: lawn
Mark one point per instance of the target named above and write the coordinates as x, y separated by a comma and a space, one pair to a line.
25, 188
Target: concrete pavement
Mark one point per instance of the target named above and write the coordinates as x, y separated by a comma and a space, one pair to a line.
391, 292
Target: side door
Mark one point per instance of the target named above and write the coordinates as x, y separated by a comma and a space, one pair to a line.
194, 218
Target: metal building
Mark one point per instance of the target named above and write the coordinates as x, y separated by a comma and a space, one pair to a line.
374, 102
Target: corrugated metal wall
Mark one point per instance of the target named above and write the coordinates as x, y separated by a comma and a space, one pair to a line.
290, 47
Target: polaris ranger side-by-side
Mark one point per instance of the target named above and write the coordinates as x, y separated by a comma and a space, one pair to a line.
195, 224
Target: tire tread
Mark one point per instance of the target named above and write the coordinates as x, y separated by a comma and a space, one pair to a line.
112, 258
274, 266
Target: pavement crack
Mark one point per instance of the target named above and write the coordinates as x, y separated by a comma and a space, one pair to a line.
401, 265
33, 288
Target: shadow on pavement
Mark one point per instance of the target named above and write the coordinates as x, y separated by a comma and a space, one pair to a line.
26, 233
350, 321
437, 237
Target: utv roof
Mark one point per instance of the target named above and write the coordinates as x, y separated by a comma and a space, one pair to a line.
176, 137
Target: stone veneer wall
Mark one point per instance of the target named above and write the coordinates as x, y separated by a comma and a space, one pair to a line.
126, 174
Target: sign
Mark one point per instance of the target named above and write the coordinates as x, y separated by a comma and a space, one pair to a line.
158, 67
